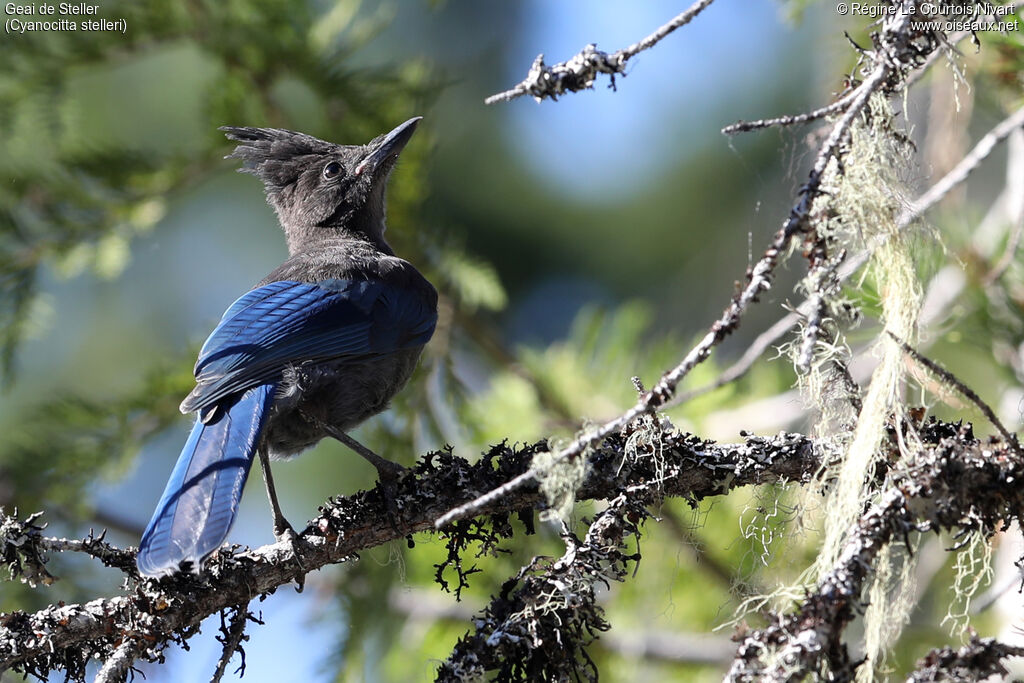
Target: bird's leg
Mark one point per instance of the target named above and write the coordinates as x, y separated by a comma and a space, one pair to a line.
282, 529
387, 471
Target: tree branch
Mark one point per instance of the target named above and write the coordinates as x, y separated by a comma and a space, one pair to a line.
115, 669
978, 660
962, 170
972, 396
899, 50
914, 211
841, 103
67, 637
745, 126
23, 549
580, 72
232, 635
540, 631
956, 482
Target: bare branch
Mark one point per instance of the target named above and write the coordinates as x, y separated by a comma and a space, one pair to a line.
681, 19
762, 343
839, 105
580, 72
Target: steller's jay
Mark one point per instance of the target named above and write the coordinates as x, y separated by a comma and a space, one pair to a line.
321, 344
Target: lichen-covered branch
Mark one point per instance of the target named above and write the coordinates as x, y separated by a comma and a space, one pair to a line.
23, 549
844, 100
538, 628
540, 625
232, 634
978, 660
828, 110
955, 482
972, 396
580, 72
159, 613
116, 668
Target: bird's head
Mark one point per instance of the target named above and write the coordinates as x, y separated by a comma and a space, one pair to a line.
318, 188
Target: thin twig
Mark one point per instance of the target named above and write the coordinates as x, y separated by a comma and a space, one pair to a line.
1009, 254
762, 343
968, 393
680, 19
844, 100
962, 170
834, 108
94, 546
580, 72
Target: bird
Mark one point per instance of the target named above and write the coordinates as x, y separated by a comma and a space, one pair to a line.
315, 348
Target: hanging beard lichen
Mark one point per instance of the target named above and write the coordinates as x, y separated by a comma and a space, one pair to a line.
973, 569
861, 207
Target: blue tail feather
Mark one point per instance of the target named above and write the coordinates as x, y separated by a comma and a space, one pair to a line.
200, 501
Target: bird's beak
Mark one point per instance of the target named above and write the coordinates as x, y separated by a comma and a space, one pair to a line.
389, 147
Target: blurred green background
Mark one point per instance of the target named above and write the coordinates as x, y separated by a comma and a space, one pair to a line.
575, 244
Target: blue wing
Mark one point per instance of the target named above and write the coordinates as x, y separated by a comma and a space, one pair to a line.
286, 323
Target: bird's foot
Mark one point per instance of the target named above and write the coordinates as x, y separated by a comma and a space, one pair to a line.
284, 533
387, 471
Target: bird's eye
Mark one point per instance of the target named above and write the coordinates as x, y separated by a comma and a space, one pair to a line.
332, 170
